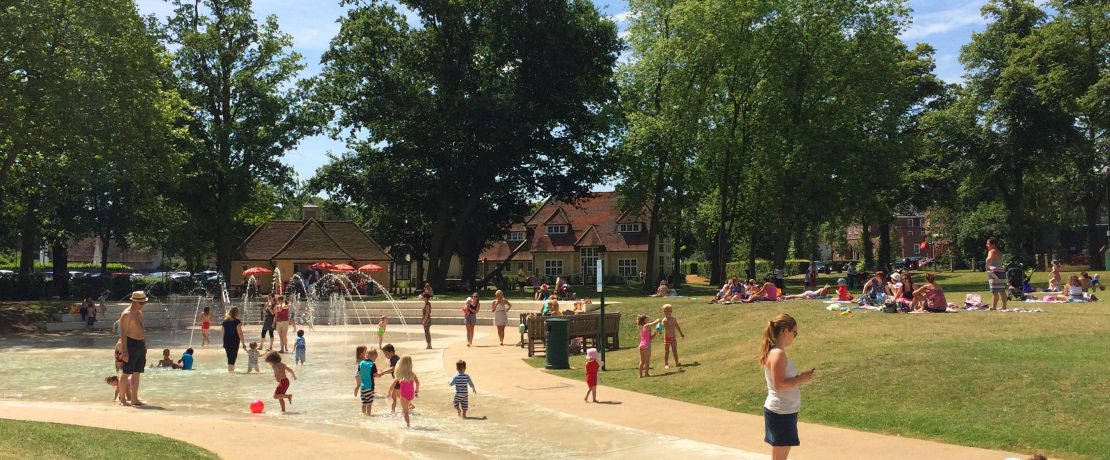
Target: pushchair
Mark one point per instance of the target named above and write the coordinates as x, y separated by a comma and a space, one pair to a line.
1017, 277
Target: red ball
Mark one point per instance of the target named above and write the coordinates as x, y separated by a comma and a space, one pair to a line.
257, 407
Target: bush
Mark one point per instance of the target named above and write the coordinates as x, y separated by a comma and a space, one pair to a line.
32, 287
763, 268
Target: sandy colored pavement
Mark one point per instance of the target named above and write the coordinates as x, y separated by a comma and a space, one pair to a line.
225, 438
507, 375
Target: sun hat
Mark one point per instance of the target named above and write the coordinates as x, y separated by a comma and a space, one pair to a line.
138, 296
841, 281
591, 354
896, 277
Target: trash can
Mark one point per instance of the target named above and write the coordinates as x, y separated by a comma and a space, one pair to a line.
558, 342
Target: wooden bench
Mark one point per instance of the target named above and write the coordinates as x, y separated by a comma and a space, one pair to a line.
583, 326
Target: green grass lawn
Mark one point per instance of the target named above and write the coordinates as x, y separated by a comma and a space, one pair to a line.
55, 441
1016, 381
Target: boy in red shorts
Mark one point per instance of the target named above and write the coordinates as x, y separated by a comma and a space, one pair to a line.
274, 359
670, 342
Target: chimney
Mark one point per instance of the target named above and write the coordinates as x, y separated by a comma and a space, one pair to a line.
309, 211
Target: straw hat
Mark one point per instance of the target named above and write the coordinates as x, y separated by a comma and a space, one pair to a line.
896, 277
138, 296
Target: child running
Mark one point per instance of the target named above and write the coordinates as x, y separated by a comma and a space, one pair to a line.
252, 358
647, 333
407, 387
205, 324
592, 367
670, 342
280, 368
299, 348
382, 323
461, 380
364, 378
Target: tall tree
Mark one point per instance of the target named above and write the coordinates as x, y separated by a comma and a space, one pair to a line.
482, 104
239, 77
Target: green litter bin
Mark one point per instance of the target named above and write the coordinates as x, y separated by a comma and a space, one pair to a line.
558, 343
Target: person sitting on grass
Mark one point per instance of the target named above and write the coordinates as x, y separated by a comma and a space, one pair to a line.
809, 295
876, 289
1074, 289
767, 292
737, 292
842, 293
930, 297
723, 294
663, 290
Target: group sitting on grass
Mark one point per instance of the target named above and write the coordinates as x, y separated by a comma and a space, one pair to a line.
879, 290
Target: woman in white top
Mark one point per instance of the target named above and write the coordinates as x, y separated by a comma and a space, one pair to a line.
784, 397
500, 309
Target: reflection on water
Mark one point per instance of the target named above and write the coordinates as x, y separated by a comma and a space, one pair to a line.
72, 367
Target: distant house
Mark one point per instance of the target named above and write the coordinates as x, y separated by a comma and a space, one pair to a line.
910, 231
91, 251
566, 240
293, 246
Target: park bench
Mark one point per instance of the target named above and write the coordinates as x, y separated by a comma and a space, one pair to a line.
583, 326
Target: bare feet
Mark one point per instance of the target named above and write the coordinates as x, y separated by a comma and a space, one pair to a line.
429, 347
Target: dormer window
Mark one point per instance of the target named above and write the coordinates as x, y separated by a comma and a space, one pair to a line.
560, 229
515, 236
630, 228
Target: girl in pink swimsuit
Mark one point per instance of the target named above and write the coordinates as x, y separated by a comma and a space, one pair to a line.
647, 333
408, 386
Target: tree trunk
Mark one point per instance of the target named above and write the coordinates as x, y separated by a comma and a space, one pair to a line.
676, 271
867, 247
29, 238
105, 243
225, 226
60, 258
1091, 206
418, 258
653, 227
884, 245
751, 252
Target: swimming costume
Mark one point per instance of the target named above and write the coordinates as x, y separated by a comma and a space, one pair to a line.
136, 357
591, 373
283, 385
669, 340
205, 325
408, 389
381, 332
645, 338
367, 395
462, 402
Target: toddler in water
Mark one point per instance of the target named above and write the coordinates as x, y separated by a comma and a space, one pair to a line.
461, 380
205, 324
280, 368
647, 333
252, 358
186, 361
592, 367
408, 386
382, 323
364, 377
299, 348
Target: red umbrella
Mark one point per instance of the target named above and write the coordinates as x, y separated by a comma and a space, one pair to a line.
257, 271
342, 268
322, 266
371, 267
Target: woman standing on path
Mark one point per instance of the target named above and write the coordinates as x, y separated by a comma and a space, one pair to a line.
233, 337
426, 319
784, 397
470, 317
996, 274
501, 307
268, 321
281, 316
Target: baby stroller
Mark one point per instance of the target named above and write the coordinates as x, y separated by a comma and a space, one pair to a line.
1017, 276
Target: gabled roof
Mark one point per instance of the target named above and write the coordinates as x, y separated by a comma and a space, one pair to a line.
597, 214
631, 218
557, 217
310, 240
589, 238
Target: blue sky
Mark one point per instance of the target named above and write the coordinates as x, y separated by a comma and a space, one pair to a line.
945, 24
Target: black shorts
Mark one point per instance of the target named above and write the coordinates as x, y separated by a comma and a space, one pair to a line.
136, 357
232, 353
268, 326
781, 429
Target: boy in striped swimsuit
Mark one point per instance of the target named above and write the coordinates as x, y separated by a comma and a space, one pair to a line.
460, 382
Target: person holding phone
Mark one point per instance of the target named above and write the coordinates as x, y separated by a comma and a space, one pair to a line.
784, 396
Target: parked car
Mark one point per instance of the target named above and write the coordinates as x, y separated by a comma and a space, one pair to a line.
180, 275
7, 273
822, 267
207, 275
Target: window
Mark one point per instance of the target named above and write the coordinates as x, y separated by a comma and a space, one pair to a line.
553, 268
630, 228
916, 249
909, 233
402, 271
628, 268
589, 263
556, 229
515, 236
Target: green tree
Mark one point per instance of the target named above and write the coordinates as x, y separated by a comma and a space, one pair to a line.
239, 78
480, 107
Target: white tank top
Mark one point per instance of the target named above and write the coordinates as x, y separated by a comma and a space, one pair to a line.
1075, 290
783, 402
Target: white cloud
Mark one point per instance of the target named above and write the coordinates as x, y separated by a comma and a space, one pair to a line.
943, 21
622, 17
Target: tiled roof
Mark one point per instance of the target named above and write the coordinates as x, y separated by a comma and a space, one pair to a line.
501, 249
310, 240
598, 214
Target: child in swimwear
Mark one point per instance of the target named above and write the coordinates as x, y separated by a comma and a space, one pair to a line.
299, 348
842, 293
280, 368
408, 386
364, 378
186, 361
1054, 280
647, 333
113, 381
119, 355
670, 342
167, 361
252, 358
461, 380
382, 323
205, 324
592, 367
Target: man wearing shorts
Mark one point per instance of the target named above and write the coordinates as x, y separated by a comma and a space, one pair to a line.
132, 334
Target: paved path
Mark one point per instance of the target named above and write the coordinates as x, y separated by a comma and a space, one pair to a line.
228, 439
509, 376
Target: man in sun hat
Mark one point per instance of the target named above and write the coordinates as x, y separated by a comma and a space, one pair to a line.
132, 334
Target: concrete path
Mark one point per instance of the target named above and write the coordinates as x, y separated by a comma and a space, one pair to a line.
509, 376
